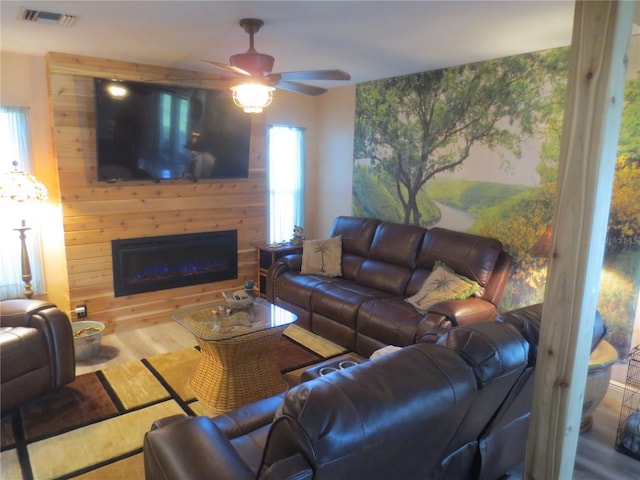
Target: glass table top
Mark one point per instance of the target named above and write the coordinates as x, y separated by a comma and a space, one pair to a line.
216, 321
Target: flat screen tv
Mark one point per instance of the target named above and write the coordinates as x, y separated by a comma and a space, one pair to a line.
157, 132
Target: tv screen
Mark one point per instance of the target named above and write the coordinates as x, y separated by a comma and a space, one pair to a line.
156, 132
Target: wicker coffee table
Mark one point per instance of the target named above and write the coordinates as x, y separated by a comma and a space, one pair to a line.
237, 365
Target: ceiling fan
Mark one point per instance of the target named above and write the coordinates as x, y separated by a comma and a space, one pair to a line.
257, 66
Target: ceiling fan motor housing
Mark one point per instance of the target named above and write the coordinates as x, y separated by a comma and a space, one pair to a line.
257, 67
253, 62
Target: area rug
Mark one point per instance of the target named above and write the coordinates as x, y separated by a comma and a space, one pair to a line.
94, 427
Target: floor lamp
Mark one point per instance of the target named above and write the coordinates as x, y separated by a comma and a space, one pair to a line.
21, 187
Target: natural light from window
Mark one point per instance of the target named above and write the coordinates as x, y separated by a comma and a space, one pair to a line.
285, 181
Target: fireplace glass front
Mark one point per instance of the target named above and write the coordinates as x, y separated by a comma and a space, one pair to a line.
157, 263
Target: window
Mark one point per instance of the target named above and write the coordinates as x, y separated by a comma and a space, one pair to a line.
14, 146
285, 181
172, 126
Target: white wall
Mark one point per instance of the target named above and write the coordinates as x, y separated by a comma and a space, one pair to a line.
336, 124
329, 124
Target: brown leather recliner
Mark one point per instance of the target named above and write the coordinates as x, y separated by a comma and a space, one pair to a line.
36, 350
502, 445
413, 414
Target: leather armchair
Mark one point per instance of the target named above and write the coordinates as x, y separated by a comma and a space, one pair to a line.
36, 350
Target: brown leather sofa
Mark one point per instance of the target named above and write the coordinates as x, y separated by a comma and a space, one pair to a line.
458, 409
36, 351
382, 264
417, 413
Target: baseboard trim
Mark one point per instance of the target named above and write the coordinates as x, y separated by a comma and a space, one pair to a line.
616, 390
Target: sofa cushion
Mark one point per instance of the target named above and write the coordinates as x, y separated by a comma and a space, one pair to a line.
473, 256
297, 289
443, 284
357, 233
334, 308
391, 258
385, 277
322, 257
340, 301
376, 329
396, 244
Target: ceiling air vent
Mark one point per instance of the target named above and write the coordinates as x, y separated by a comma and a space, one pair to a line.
51, 18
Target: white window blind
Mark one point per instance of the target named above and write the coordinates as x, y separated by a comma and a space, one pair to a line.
285, 181
14, 146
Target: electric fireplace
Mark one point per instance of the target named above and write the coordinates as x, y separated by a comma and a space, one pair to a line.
148, 264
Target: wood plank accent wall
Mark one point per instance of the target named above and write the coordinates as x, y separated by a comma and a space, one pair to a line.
94, 213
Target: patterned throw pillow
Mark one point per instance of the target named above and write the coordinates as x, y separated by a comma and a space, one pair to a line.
441, 285
322, 257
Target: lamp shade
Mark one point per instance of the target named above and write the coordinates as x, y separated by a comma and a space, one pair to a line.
21, 187
252, 97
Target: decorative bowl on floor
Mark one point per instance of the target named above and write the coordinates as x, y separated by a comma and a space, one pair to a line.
598, 377
87, 339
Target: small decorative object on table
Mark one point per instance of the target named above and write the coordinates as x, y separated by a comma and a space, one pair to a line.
249, 286
298, 235
239, 298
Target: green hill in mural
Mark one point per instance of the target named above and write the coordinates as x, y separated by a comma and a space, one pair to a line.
472, 197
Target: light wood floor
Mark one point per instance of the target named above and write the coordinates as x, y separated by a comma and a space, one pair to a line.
136, 344
596, 457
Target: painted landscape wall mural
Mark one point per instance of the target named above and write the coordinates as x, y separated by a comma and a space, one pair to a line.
476, 148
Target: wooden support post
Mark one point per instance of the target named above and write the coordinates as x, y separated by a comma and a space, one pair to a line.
601, 34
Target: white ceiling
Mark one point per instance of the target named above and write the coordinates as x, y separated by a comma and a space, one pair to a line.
368, 39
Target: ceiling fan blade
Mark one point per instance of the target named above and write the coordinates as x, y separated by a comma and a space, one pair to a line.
300, 88
315, 75
237, 70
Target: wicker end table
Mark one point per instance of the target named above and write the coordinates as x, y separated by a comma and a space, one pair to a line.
236, 364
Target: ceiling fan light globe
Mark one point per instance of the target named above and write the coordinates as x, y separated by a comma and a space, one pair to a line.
252, 97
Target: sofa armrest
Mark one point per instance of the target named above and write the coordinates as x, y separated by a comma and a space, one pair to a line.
17, 312
442, 317
248, 418
192, 448
293, 262
55, 326
288, 263
466, 311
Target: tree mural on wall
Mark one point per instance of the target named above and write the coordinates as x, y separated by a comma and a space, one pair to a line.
523, 222
416, 126
415, 134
